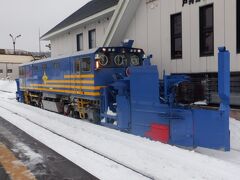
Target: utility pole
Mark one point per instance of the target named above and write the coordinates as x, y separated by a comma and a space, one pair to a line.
14, 41
39, 41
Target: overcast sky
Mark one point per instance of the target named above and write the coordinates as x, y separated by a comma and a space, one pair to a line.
25, 17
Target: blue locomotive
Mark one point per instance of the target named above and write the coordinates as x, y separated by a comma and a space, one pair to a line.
72, 85
118, 87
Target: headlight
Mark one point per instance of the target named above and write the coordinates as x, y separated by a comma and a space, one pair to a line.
97, 65
103, 60
135, 61
119, 60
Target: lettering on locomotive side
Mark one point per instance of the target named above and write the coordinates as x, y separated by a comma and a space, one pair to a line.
189, 2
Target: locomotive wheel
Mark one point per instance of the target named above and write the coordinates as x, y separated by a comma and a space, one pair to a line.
95, 117
76, 115
83, 115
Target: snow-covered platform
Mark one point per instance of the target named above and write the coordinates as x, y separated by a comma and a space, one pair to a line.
109, 154
32, 159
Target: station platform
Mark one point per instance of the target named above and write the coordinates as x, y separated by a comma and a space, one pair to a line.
24, 158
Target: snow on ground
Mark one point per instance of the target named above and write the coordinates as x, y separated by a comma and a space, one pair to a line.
153, 159
33, 157
8, 86
235, 134
232, 156
91, 162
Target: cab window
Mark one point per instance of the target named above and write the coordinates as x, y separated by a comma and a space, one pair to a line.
86, 65
44, 67
21, 72
56, 65
77, 66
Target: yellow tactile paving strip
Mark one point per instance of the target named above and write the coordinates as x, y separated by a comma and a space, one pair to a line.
14, 168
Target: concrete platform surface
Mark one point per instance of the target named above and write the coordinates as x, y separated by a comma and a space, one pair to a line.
42, 162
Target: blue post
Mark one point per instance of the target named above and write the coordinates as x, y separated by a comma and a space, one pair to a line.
224, 89
19, 93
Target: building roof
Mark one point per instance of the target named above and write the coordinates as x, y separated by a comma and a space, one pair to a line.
17, 52
91, 8
15, 59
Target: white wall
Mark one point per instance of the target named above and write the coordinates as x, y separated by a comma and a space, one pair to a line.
12, 62
150, 29
66, 43
15, 71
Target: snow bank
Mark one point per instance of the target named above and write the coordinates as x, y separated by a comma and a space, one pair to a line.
8, 86
91, 162
235, 134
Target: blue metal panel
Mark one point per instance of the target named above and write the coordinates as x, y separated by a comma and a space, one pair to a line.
211, 128
144, 84
19, 93
181, 128
106, 76
124, 113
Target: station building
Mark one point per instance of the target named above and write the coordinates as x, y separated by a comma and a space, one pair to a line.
182, 35
9, 63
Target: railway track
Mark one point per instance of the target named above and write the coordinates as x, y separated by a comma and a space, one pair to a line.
142, 171
6, 91
145, 175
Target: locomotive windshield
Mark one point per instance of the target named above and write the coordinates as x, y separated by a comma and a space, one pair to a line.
119, 57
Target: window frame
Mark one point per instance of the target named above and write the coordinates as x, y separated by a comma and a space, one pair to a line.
82, 67
174, 36
44, 67
80, 42
22, 72
92, 44
9, 71
77, 66
205, 30
56, 65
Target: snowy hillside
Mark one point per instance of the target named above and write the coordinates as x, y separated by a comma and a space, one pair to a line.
110, 154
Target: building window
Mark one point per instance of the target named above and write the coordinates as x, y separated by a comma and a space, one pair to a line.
86, 65
238, 26
9, 71
92, 39
176, 36
206, 31
80, 42
1, 71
